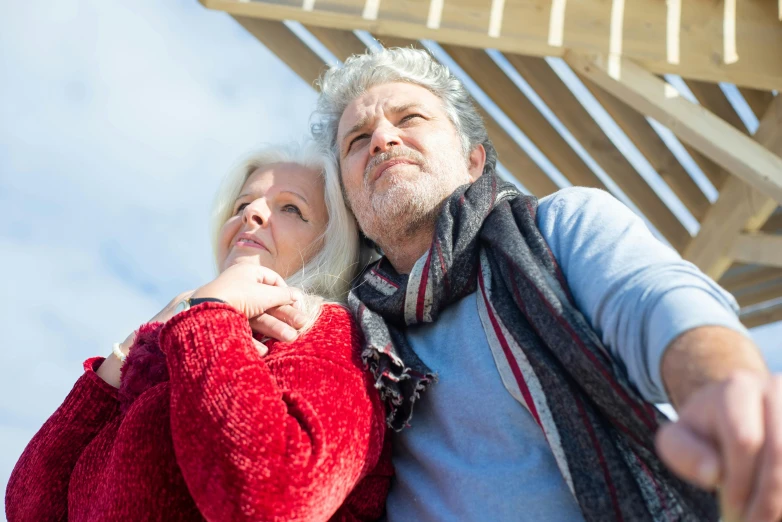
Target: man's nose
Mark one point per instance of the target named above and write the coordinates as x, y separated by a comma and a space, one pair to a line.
257, 212
384, 137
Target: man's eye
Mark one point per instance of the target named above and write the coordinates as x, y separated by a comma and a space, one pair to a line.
410, 117
240, 208
357, 138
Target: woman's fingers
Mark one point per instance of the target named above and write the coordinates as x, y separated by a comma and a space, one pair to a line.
262, 348
269, 326
289, 314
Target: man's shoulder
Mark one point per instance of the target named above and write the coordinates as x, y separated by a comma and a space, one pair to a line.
576, 197
574, 202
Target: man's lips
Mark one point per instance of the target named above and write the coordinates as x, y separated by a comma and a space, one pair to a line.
380, 169
249, 241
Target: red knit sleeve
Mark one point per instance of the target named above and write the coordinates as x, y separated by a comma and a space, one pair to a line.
38, 487
282, 438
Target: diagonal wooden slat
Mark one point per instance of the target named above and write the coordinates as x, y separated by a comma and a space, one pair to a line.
342, 44
757, 100
740, 207
758, 248
524, 28
710, 96
654, 149
767, 293
711, 135
563, 103
769, 315
496, 84
286, 45
774, 223
749, 278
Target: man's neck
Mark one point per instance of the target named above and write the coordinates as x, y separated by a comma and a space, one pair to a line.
403, 252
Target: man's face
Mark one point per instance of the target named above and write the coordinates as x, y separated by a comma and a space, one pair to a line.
400, 158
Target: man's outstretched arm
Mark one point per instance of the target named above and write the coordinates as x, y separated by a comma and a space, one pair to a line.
729, 432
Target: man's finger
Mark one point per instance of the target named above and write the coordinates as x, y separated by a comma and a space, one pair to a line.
290, 315
766, 501
688, 455
269, 326
741, 433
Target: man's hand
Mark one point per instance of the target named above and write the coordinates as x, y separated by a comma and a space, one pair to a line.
729, 433
271, 306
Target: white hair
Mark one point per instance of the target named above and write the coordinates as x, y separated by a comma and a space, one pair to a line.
327, 276
341, 85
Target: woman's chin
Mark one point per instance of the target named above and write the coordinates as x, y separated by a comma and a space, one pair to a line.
251, 260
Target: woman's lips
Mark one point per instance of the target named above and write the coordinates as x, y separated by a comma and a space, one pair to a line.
250, 242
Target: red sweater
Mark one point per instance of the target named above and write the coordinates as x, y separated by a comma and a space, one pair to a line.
207, 429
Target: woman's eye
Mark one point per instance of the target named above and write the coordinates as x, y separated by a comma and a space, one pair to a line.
294, 210
240, 208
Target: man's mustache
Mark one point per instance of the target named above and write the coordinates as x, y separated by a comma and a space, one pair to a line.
395, 152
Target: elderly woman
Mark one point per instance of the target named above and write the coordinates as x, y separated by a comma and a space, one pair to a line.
193, 418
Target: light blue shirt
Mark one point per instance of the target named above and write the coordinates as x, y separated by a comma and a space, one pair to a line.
474, 453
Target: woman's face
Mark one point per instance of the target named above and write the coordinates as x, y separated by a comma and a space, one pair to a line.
277, 220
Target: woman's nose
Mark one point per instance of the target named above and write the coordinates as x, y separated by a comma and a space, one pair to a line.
257, 212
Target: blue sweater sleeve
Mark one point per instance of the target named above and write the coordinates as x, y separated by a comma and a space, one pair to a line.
636, 292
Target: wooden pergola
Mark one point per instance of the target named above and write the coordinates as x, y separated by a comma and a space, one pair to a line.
625, 52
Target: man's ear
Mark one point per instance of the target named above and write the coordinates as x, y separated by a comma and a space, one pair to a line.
475, 162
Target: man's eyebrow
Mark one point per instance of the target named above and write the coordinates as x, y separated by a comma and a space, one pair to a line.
357, 127
394, 110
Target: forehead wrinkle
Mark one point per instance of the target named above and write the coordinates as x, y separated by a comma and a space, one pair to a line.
394, 109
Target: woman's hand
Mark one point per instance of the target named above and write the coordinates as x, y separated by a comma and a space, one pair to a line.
271, 306
109, 370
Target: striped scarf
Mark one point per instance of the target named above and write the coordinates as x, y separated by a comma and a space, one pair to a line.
599, 428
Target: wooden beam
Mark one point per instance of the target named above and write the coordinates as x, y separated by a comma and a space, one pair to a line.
653, 148
704, 44
774, 223
566, 107
757, 100
749, 278
740, 206
758, 249
520, 110
710, 96
761, 295
709, 134
286, 45
761, 317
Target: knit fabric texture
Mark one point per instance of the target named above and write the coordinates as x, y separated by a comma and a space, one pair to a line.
599, 428
204, 428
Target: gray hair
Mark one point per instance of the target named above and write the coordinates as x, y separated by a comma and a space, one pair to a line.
327, 276
341, 85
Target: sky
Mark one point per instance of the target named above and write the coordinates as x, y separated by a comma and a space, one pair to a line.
117, 123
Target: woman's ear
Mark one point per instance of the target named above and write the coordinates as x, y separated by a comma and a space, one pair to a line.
475, 162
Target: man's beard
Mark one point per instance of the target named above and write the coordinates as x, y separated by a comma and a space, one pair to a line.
409, 204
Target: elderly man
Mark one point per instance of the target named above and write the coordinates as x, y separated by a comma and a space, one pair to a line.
531, 337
